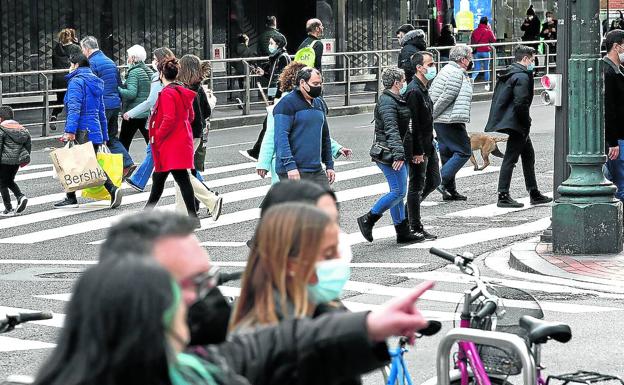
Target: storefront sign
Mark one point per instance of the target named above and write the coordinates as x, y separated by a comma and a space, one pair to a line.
218, 52
329, 45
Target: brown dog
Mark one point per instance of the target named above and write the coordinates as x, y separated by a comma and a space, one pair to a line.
488, 145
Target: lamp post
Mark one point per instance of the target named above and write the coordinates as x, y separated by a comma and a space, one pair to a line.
587, 219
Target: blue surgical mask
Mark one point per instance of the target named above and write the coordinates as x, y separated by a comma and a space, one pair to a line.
332, 276
431, 73
272, 49
404, 88
531, 67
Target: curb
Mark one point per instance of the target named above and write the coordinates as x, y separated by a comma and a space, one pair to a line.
524, 258
40, 143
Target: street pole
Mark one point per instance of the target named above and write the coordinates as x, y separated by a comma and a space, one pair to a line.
587, 219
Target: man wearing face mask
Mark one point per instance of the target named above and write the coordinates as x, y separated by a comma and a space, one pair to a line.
613, 91
302, 140
424, 172
549, 32
315, 32
510, 114
451, 93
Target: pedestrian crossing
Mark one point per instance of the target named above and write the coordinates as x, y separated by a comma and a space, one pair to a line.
356, 181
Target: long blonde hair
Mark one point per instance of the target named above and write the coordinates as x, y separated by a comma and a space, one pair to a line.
288, 232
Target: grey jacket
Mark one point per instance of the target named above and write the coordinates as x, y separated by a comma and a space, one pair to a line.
14, 143
451, 93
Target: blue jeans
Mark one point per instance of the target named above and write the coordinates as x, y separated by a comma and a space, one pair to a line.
482, 61
616, 172
114, 144
397, 180
455, 151
141, 176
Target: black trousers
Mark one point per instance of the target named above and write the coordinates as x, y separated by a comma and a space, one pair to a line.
255, 150
82, 137
183, 180
423, 179
60, 97
7, 182
129, 129
518, 145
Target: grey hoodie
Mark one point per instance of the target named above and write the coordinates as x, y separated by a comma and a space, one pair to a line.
15, 143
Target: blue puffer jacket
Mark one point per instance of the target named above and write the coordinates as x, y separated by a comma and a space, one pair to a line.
105, 69
84, 104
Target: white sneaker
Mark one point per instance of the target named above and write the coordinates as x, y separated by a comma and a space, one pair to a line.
22, 202
216, 212
7, 213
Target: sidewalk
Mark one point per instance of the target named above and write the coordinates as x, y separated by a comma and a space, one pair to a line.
538, 258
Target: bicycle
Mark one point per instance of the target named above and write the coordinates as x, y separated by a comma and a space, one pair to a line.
484, 308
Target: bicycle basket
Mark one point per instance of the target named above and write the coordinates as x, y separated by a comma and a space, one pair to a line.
515, 303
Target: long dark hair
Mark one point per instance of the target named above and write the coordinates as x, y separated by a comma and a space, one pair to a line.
114, 332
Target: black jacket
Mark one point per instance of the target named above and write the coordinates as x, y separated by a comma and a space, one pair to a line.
531, 29
392, 118
201, 109
274, 67
512, 100
60, 60
318, 50
412, 42
446, 39
421, 108
613, 111
242, 51
301, 351
547, 33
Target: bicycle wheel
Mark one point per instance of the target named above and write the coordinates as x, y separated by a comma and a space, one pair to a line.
493, 381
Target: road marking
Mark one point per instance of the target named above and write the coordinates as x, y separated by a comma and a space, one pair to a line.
45, 262
57, 297
428, 314
36, 167
9, 344
493, 210
489, 234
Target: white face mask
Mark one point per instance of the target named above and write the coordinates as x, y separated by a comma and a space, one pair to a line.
549, 19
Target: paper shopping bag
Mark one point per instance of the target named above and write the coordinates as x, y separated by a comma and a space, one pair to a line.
77, 167
112, 164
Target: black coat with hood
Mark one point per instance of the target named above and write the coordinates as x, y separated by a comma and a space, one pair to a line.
392, 119
413, 41
511, 102
15, 143
201, 109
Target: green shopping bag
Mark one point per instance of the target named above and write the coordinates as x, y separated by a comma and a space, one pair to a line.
112, 164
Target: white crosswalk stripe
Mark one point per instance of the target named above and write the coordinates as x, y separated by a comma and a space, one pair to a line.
41, 226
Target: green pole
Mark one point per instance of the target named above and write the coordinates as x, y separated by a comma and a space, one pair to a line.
587, 219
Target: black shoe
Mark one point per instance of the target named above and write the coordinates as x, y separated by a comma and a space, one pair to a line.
66, 203
52, 123
366, 223
247, 154
404, 235
22, 202
250, 242
197, 222
505, 200
7, 213
421, 230
116, 196
134, 186
216, 213
445, 194
537, 198
239, 103
455, 196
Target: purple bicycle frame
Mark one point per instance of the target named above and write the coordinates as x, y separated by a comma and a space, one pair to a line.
468, 352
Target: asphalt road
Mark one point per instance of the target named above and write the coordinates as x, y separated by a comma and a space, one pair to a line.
27, 243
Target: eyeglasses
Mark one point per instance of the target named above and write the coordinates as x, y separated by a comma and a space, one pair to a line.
202, 282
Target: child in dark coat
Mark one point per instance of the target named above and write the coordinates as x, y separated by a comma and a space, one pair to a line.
15, 148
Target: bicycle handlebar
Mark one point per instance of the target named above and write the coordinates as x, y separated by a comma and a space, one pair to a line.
443, 254
487, 310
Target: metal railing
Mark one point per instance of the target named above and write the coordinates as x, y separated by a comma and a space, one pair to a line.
355, 75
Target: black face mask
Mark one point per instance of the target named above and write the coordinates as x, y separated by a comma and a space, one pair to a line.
315, 91
208, 319
470, 65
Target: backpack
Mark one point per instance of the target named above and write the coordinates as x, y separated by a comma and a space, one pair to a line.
307, 55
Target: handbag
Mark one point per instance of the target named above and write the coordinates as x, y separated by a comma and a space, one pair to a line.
381, 154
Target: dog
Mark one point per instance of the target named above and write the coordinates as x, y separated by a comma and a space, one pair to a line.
488, 145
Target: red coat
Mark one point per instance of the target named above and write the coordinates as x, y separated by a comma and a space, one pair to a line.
170, 130
483, 35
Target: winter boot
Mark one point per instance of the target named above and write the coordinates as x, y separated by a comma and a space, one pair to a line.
505, 200
537, 198
366, 223
404, 235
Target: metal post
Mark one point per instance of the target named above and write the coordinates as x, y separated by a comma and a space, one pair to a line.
246, 106
208, 30
347, 80
379, 70
1, 89
587, 219
547, 59
494, 71
46, 107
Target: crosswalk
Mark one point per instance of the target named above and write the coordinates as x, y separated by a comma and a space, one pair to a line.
43, 226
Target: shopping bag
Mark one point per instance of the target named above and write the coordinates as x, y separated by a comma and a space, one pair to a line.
77, 167
112, 164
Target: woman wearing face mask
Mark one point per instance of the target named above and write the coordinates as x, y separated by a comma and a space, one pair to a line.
549, 32
531, 28
141, 176
278, 60
104, 343
392, 119
133, 92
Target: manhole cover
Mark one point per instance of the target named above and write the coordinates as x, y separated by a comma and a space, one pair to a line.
60, 275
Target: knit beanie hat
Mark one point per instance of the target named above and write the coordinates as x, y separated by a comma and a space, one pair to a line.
530, 11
